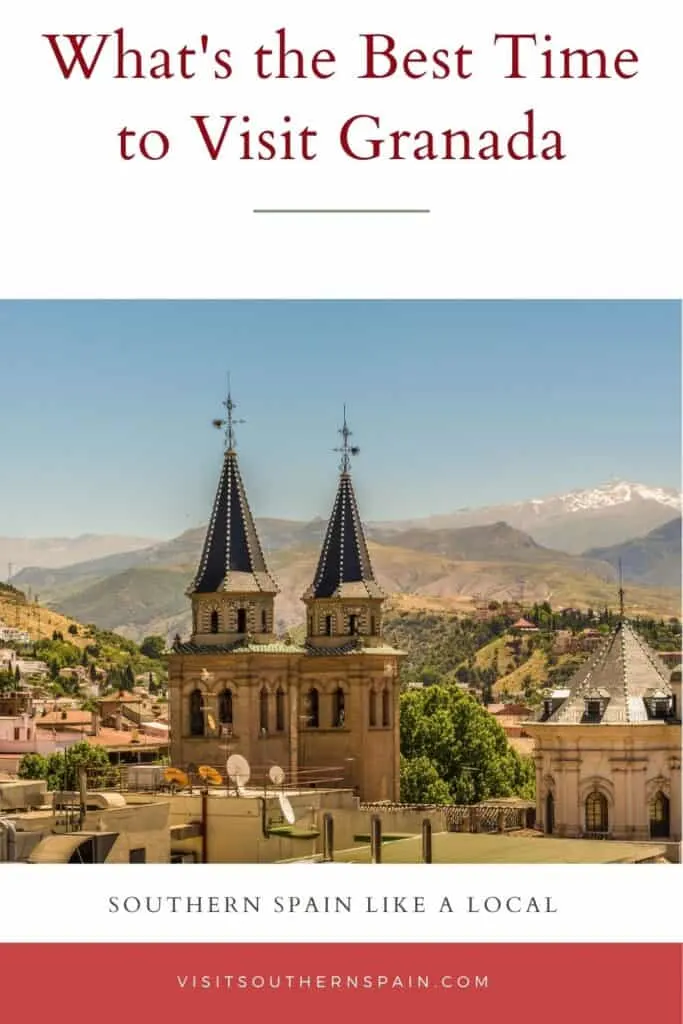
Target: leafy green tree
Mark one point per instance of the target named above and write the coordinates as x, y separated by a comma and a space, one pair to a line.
153, 647
467, 747
61, 769
421, 783
33, 766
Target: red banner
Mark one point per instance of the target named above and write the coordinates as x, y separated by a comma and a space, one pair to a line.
482, 983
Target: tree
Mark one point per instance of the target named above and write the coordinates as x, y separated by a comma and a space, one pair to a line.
33, 766
153, 647
61, 769
467, 747
421, 784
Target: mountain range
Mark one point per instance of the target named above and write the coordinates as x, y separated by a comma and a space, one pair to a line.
440, 561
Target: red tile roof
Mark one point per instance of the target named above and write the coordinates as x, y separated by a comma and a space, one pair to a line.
111, 738
64, 718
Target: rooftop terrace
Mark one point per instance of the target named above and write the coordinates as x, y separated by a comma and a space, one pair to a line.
465, 848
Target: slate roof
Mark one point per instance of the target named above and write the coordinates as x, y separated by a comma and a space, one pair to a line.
232, 559
623, 675
344, 568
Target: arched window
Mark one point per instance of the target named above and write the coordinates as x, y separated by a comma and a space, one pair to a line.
264, 621
263, 709
196, 714
310, 625
372, 708
386, 707
596, 813
353, 624
225, 707
549, 813
280, 709
338, 708
659, 816
328, 625
241, 620
214, 621
313, 709
373, 625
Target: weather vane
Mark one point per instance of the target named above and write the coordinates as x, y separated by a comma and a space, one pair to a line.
229, 423
346, 449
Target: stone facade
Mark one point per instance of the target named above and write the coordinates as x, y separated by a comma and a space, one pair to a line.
257, 703
326, 710
608, 748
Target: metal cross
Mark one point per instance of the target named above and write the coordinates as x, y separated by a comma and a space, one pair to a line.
229, 423
346, 449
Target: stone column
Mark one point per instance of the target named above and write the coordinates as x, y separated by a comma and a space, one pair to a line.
293, 704
675, 796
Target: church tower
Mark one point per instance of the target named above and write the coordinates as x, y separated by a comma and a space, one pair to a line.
344, 602
233, 592
325, 710
232, 684
350, 685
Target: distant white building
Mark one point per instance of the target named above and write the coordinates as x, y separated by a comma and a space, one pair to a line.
8, 634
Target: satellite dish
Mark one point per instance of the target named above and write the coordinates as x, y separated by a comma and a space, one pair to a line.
286, 808
238, 770
276, 775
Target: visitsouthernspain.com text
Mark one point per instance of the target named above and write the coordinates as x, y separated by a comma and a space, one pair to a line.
318, 982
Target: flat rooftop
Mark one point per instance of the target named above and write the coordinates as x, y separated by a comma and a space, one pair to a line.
467, 848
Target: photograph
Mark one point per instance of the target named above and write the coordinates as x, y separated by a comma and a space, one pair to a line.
371, 582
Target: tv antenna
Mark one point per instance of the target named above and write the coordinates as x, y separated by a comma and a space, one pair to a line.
277, 777
238, 771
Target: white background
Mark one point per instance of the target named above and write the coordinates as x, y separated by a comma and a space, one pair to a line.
76, 221
617, 903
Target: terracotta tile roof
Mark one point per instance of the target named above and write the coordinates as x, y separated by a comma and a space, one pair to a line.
509, 710
124, 697
64, 718
117, 738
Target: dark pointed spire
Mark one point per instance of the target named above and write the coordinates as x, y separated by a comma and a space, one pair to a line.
232, 558
344, 568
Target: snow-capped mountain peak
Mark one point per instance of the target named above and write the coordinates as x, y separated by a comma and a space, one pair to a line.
608, 495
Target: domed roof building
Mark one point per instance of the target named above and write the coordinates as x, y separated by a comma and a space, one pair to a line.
608, 746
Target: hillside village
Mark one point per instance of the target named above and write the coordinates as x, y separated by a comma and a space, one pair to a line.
475, 632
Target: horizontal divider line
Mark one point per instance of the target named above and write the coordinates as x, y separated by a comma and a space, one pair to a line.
340, 210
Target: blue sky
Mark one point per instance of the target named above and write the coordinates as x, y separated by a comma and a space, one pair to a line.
106, 407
